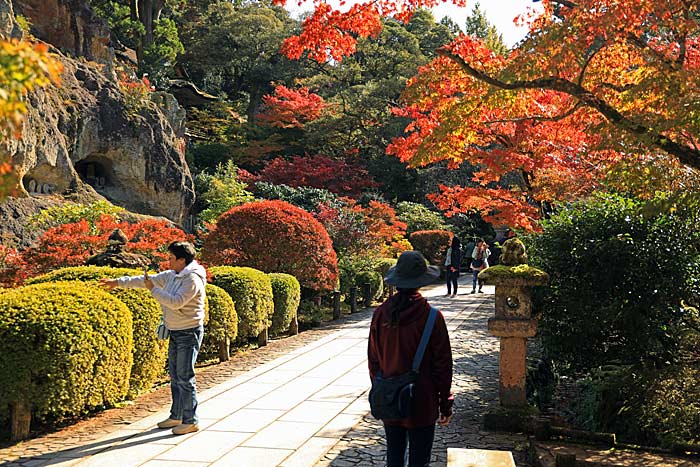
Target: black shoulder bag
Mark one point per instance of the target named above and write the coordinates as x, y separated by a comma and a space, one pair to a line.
390, 398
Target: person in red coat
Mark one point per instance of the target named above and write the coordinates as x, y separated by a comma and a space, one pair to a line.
396, 329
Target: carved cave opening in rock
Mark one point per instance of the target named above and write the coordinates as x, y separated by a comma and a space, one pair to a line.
44, 179
96, 172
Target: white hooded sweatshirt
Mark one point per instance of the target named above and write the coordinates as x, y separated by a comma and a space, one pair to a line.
181, 295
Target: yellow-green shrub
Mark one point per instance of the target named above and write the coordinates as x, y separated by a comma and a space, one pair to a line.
251, 291
223, 320
376, 282
64, 348
383, 265
150, 353
286, 293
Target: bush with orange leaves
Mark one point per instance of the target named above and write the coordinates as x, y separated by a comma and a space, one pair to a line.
274, 236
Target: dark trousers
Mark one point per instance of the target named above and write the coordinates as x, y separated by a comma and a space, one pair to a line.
451, 277
420, 444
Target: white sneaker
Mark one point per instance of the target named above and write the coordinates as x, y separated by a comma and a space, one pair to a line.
169, 423
184, 428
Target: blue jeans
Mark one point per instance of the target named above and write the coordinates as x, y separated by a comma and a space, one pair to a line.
420, 445
182, 354
475, 278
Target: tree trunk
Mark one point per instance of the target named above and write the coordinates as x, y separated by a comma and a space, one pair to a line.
224, 345
21, 420
294, 326
146, 17
262, 338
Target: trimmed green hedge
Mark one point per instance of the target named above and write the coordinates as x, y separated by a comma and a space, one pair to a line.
251, 290
65, 348
286, 293
223, 320
375, 280
150, 353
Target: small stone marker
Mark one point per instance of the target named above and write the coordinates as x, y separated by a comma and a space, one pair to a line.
457, 457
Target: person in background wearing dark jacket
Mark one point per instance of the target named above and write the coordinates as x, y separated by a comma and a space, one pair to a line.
453, 258
396, 329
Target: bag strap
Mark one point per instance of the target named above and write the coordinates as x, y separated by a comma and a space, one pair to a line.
427, 331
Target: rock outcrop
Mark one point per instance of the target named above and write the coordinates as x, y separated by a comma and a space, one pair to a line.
84, 139
69, 25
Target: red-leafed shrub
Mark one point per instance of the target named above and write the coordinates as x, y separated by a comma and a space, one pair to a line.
13, 268
274, 236
432, 243
291, 108
372, 231
334, 175
72, 244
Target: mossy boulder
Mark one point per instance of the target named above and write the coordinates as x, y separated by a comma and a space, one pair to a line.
149, 352
65, 348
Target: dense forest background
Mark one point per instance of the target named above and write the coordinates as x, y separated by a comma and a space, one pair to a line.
262, 117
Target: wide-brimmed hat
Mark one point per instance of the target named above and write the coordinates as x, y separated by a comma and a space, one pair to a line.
411, 271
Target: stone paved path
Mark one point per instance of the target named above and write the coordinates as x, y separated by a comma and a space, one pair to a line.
475, 386
305, 407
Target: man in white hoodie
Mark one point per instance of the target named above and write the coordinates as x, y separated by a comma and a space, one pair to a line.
180, 292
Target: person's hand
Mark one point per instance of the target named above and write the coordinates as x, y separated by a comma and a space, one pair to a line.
147, 280
444, 420
108, 283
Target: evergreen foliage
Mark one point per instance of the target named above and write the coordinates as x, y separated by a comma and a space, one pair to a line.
149, 352
287, 294
251, 291
66, 348
223, 320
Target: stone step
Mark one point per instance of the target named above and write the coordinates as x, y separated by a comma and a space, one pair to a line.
457, 457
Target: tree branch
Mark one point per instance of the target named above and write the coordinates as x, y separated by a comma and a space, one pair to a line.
686, 155
540, 118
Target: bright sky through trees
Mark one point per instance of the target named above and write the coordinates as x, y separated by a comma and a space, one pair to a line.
500, 13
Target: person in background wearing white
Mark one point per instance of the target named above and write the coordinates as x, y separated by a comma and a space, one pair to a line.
480, 261
181, 294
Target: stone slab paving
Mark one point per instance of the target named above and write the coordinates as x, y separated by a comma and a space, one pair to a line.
297, 409
475, 386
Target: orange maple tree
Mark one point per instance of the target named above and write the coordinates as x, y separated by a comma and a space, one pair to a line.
594, 83
291, 108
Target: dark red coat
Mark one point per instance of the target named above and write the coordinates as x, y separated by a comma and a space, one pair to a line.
391, 350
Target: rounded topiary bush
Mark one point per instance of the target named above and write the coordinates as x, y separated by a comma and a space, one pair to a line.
150, 353
222, 327
64, 348
376, 282
286, 292
432, 243
274, 236
251, 291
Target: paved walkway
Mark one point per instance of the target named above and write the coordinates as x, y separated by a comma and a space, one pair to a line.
308, 407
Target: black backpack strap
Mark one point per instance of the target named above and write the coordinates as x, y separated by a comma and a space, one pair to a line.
427, 331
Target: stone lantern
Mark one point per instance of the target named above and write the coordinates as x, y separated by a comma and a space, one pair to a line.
513, 322
116, 257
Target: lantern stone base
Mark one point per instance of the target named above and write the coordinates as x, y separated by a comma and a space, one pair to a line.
510, 419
